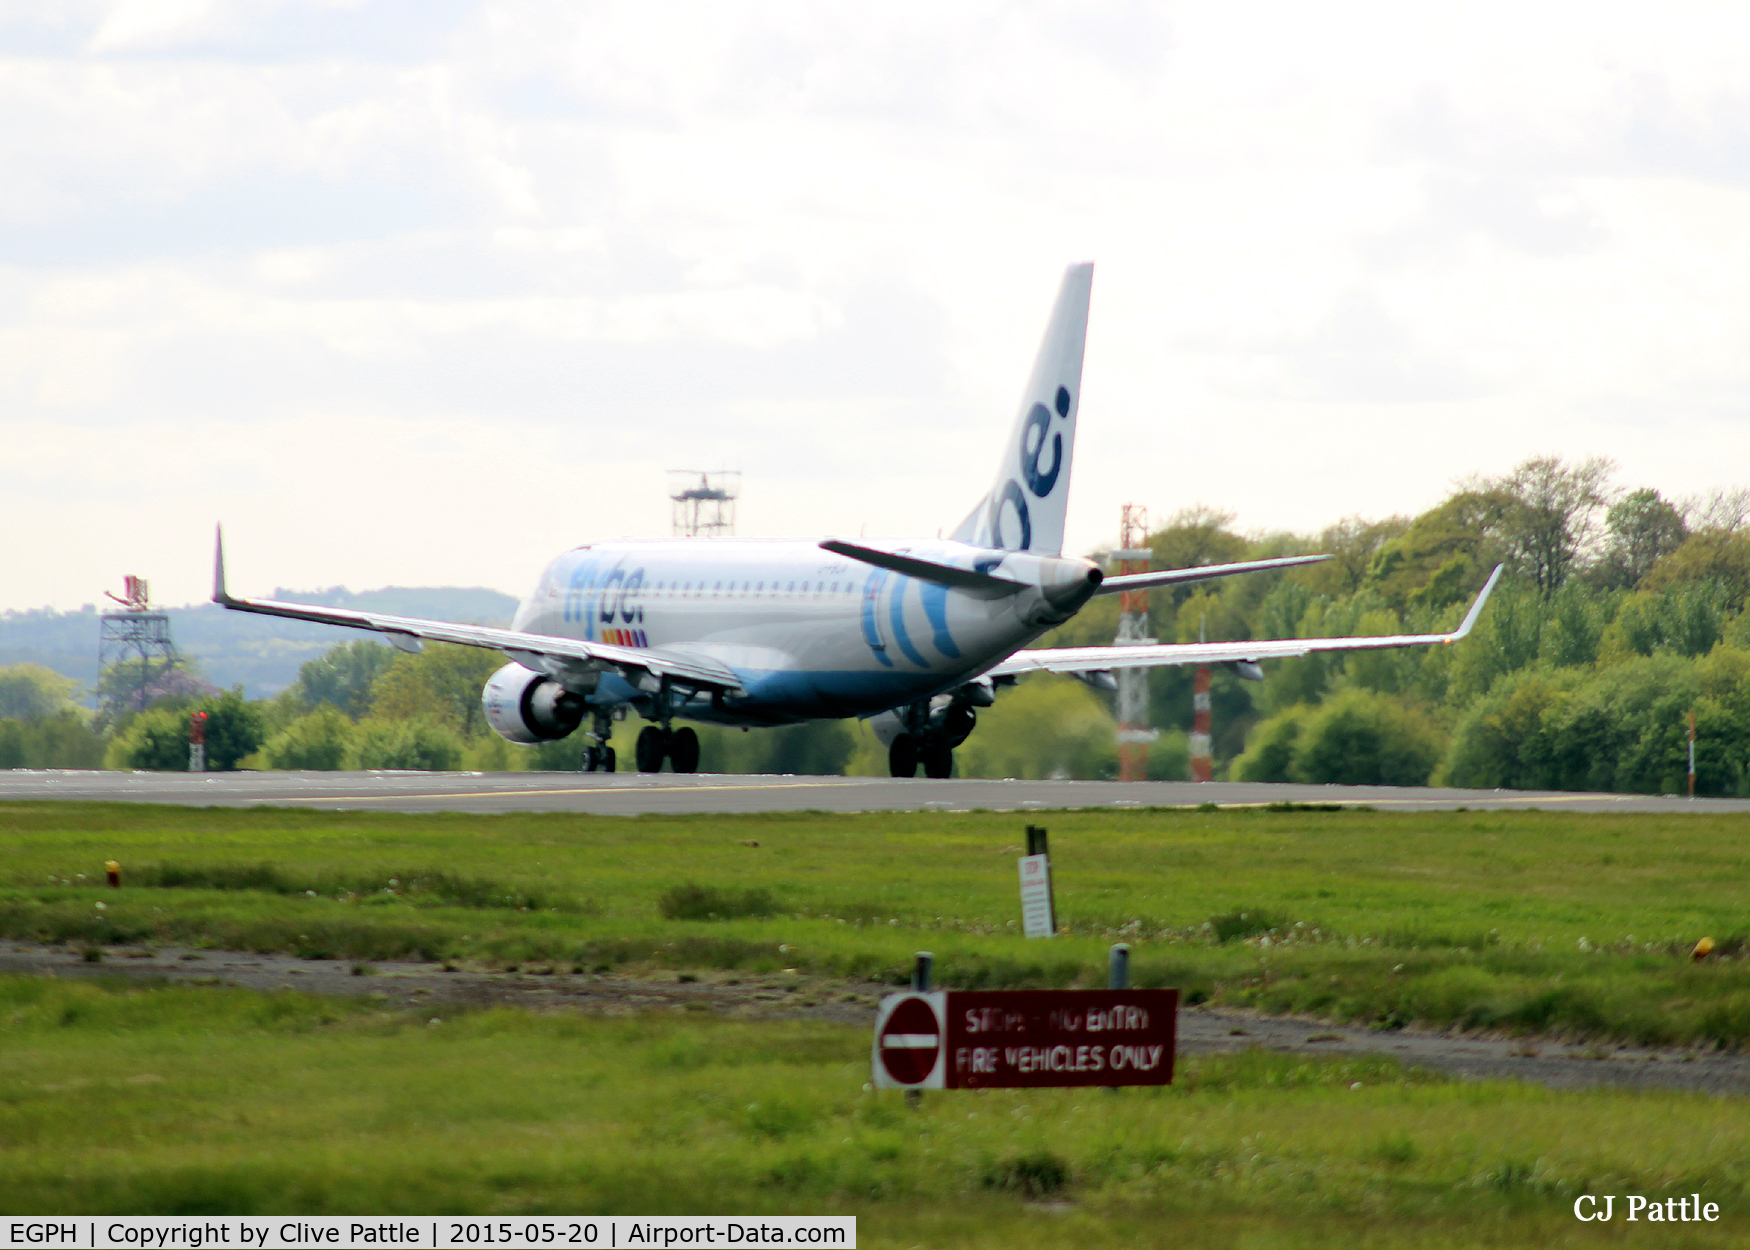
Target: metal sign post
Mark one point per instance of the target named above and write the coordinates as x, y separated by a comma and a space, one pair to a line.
1038, 909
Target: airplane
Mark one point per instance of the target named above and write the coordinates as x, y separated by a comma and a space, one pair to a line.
914, 635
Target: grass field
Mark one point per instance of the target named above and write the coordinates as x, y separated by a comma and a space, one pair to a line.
197, 1100
206, 1099
1524, 921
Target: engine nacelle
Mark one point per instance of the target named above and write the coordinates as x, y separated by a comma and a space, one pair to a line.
950, 721
526, 706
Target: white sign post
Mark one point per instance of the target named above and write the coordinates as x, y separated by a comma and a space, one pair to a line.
1037, 919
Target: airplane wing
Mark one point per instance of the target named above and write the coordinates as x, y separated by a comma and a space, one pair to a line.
1161, 655
1173, 577
643, 667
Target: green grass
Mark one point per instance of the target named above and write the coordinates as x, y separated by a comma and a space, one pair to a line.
199, 1100
1523, 921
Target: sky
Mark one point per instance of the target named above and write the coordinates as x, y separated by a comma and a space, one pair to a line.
424, 292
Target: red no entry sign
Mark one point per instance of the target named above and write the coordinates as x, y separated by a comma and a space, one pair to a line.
1000, 1039
908, 1038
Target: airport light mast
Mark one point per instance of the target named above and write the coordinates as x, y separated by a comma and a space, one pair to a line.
1133, 556
135, 632
704, 502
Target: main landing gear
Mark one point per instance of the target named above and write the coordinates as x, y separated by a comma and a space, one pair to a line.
930, 735
679, 746
908, 751
598, 757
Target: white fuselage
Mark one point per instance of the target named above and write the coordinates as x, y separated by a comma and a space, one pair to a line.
808, 633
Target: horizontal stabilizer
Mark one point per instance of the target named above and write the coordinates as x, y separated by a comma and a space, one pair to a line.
979, 585
1166, 655
1173, 577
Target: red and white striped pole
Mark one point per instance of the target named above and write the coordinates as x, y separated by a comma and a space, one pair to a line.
1692, 753
1202, 763
1133, 556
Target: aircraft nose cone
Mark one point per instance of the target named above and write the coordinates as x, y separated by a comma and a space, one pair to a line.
1068, 584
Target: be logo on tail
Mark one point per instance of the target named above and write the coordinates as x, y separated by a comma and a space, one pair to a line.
1013, 501
1026, 506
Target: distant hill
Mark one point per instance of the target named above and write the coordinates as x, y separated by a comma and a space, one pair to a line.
260, 653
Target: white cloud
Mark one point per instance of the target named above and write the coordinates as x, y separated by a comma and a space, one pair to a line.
424, 292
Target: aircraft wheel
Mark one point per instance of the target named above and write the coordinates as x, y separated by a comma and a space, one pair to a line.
683, 750
607, 759
938, 760
650, 749
902, 756
588, 764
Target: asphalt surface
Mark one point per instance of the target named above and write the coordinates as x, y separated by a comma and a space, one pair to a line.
439, 990
631, 794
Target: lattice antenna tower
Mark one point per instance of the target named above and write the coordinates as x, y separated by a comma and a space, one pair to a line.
704, 501
134, 644
1133, 556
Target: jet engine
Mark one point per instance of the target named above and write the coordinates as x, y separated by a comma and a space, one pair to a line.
526, 706
949, 719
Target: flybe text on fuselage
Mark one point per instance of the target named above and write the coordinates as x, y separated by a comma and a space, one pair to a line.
808, 632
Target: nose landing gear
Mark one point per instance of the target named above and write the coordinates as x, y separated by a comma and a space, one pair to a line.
599, 756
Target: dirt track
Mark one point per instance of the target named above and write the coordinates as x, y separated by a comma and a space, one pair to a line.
1202, 1030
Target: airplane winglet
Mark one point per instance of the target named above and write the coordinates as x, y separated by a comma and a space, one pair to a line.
219, 595
1476, 609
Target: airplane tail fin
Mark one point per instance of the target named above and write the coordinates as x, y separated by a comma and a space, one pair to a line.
1024, 510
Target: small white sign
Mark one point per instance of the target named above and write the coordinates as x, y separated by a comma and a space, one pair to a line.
1037, 919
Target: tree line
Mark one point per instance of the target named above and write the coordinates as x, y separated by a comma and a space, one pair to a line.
1621, 613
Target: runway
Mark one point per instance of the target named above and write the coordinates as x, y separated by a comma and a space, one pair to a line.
633, 794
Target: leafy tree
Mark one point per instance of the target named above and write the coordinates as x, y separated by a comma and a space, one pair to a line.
1642, 529
1442, 557
491, 754
1623, 728
1194, 536
1360, 737
1715, 555
1500, 740
1352, 543
343, 675
121, 692
1269, 754
408, 744
1045, 727
821, 749
1357, 737
31, 692
1548, 514
1688, 619
320, 740
157, 739
1575, 624
233, 729
61, 739
1507, 639
1725, 510
441, 685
